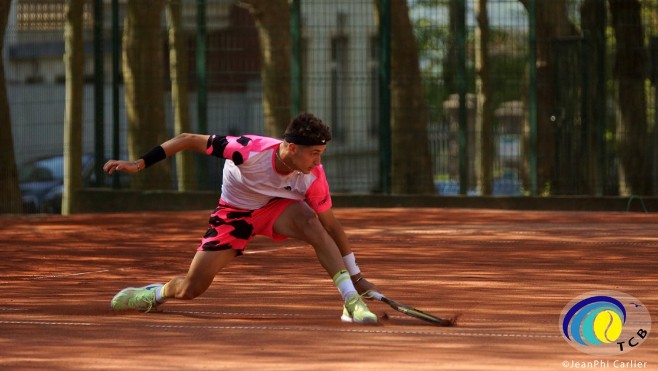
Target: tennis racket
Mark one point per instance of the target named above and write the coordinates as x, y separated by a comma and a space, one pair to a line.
411, 311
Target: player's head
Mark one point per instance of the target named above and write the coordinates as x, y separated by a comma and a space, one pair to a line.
307, 130
305, 140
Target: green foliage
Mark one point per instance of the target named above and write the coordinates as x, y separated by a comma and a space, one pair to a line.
508, 53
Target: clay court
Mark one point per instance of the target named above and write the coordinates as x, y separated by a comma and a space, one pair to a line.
506, 274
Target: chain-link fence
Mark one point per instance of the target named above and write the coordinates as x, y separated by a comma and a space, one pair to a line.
518, 102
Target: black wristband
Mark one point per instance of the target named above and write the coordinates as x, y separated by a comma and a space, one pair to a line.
153, 156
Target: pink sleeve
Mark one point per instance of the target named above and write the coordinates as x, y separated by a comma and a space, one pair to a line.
318, 196
238, 149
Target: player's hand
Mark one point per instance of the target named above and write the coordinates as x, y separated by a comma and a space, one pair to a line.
363, 286
120, 165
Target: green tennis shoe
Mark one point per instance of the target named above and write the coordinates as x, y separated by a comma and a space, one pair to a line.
137, 298
356, 311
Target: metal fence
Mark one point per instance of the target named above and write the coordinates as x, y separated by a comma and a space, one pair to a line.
340, 61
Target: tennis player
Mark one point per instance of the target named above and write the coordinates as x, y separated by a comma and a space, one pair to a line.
271, 187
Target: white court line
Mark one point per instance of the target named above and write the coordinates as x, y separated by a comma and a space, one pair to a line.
288, 315
276, 249
34, 278
64, 275
49, 323
363, 330
235, 314
266, 315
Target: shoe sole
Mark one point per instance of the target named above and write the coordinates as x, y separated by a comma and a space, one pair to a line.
348, 319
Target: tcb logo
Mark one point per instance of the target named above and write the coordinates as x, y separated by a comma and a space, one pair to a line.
605, 323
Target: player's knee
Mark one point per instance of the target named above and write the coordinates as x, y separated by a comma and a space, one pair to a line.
303, 223
311, 228
307, 221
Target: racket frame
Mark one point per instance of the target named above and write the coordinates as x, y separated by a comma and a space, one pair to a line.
410, 311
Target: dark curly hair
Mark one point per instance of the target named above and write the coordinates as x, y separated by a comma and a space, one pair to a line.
306, 129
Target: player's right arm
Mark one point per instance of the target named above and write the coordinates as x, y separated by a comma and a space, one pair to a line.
184, 141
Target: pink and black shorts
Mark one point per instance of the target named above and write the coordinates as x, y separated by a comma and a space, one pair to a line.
232, 228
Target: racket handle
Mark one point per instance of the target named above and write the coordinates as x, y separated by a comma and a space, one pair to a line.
375, 295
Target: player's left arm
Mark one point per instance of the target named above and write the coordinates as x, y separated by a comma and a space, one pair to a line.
337, 233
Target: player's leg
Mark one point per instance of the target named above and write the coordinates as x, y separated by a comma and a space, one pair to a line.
299, 221
203, 269
229, 230
218, 247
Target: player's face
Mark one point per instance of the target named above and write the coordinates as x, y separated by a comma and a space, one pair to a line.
306, 158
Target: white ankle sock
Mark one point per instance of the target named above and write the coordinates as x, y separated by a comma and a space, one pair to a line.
159, 295
344, 284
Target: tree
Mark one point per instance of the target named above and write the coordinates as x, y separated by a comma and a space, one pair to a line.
74, 63
630, 72
143, 73
409, 113
185, 165
449, 65
552, 23
484, 116
593, 25
273, 24
10, 195
436, 52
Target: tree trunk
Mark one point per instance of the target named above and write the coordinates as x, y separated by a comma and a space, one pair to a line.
630, 72
592, 24
10, 195
185, 165
449, 70
73, 64
552, 22
411, 166
273, 23
484, 116
143, 72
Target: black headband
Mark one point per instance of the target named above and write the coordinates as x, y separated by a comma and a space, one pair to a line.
304, 141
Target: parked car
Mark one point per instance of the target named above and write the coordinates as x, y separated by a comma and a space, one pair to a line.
42, 181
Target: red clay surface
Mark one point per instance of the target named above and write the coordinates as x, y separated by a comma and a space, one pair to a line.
508, 274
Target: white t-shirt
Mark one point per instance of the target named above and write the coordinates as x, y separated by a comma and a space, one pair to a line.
250, 179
